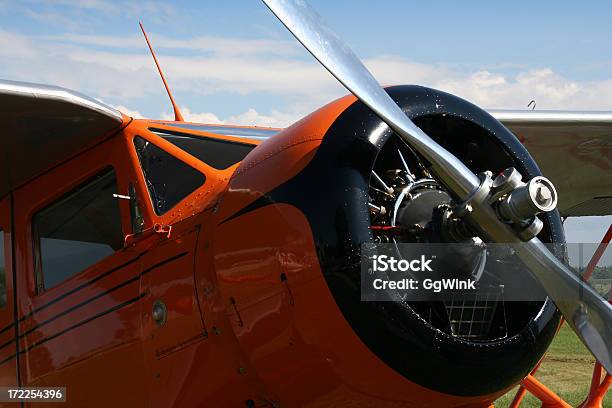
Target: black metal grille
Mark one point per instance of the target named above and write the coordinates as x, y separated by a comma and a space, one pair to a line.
472, 315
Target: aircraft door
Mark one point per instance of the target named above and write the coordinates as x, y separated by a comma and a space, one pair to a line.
79, 284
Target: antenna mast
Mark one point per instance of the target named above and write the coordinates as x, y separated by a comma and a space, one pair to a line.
178, 117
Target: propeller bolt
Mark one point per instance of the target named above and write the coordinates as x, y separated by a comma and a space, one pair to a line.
543, 195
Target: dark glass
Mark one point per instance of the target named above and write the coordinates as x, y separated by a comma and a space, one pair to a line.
217, 153
168, 179
77, 231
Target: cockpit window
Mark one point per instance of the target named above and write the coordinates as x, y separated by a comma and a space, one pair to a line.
217, 153
168, 179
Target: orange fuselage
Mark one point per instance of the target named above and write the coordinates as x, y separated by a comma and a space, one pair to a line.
250, 316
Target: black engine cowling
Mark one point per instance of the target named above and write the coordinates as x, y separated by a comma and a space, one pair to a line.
332, 191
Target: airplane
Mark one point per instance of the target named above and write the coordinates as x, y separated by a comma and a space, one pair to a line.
153, 263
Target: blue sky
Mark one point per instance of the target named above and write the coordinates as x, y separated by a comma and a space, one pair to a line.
232, 61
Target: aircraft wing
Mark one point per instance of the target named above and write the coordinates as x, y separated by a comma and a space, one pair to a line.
574, 150
44, 125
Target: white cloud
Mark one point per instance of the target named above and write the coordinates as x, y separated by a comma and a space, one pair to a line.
189, 116
129, 112
263, 66
250, 117
253, 118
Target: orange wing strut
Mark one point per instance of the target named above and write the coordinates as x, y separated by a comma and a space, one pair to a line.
178, 117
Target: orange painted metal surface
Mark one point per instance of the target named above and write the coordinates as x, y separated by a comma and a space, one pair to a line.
549, 399
274, 163
599, 388
292, 328
88, 326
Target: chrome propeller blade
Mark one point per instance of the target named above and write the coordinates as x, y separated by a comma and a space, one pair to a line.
587, 313
306, 25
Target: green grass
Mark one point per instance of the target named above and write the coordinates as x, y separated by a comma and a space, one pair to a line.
567, 370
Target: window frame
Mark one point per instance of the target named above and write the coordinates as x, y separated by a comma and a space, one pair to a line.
212, 185
39, 277
163, 133
142, 172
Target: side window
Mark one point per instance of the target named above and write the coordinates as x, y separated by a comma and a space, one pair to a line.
3, 269
77, 231
168, 179
217, 153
